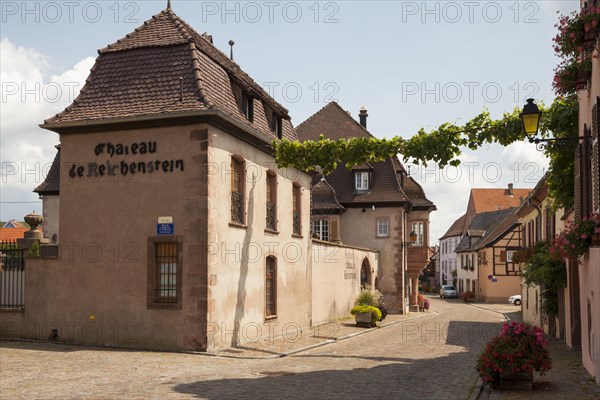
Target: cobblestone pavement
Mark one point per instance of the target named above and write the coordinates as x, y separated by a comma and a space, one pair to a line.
427, 358
567, 380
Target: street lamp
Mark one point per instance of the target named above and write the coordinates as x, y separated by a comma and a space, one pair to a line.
531, 116
412, 238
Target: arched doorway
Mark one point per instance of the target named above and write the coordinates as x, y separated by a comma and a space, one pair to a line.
365, 274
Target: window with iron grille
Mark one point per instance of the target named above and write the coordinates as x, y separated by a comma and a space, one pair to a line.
237, 190
271, 287
297, 210
164, 272
271, 206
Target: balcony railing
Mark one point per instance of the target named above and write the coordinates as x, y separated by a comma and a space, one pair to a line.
237, 207
271, 221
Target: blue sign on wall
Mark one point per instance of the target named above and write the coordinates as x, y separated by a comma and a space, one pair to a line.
165, 229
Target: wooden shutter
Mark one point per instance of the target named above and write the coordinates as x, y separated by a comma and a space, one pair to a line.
334, 235
502, 255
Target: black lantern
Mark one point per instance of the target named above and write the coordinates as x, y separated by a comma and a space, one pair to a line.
530, 117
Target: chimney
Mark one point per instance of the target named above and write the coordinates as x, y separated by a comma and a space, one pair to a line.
362, 115
510, 189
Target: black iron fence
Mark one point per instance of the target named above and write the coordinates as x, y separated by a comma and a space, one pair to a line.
12, 276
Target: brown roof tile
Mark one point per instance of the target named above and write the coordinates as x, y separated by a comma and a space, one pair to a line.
498, 232
51, 185
324, 198
456, 229
164, 66
334, 123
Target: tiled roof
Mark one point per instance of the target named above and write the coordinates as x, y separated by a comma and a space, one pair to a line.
11, 234
163, 67
14, 224
456, 229
334, 123
508, 224
483, 224
51, 185
324, 198
486, 200
416, 194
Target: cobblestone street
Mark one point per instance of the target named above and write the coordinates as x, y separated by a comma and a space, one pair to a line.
425, 358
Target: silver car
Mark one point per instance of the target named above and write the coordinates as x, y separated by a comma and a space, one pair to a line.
448, 291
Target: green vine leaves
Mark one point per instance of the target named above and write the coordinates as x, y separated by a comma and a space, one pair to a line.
443, 145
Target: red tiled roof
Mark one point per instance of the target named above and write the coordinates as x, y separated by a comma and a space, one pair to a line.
485, 200
12, 233
162, 67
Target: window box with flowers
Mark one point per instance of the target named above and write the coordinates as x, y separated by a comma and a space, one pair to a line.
509, 359
577, 237
577, 36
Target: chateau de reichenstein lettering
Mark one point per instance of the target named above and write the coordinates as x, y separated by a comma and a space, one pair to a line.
125, 167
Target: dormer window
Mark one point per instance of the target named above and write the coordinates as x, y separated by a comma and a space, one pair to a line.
248, 107
361, 180
276, 125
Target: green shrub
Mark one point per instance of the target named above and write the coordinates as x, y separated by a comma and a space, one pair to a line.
368, 297
375, 313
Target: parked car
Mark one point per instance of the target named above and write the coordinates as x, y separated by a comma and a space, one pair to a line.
448, 291
516, 300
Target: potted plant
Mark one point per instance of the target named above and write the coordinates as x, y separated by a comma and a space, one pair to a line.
368, 308
509, 359
421, 302
467, 296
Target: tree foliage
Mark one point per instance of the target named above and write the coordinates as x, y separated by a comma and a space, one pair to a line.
541, 268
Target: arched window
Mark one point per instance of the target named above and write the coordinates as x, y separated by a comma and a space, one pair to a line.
365, 274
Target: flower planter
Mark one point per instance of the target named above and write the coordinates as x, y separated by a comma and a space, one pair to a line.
516, 381
363, 319
421, 304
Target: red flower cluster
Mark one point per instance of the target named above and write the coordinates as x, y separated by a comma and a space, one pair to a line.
520, 347
576, 238
577, 33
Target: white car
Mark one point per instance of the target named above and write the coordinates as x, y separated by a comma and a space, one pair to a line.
448, 291
516, 300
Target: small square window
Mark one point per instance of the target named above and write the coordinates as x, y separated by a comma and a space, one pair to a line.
383, 227
361, 180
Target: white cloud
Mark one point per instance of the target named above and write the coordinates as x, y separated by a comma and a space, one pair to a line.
30, 94
491, 166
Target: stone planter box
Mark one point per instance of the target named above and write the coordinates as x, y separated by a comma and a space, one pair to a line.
363, 319
516, 381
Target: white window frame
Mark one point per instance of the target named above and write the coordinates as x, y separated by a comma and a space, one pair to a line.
418, 227
322, 228
509, 255
383, 223
361, 181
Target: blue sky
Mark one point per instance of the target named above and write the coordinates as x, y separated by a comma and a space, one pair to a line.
413, 64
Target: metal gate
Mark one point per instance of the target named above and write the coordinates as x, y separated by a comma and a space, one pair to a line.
12, 277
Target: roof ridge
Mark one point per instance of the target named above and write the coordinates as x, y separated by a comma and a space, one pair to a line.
312, 116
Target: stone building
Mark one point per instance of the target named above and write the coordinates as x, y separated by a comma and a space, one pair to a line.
176, 228
380, 206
